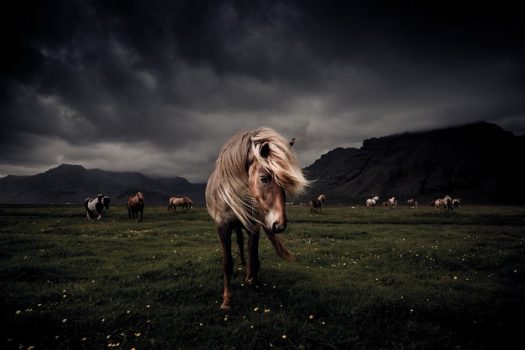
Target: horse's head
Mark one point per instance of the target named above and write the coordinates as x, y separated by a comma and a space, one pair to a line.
105, 201
140, 196
267, 192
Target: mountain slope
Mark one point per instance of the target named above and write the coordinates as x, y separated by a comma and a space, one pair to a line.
476, 162
74, 183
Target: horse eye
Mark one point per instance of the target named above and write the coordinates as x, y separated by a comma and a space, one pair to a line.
265, 179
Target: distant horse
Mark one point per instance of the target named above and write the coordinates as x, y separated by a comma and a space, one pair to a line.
95, 207
439, 204
246, 190
456, 202
391, 203
136, 206
412, 203
184, 202
447, 203
371, 202
315, 204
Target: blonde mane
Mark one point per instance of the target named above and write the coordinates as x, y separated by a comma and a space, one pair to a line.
231, 176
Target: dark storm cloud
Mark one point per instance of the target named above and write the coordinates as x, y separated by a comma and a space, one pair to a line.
158, 86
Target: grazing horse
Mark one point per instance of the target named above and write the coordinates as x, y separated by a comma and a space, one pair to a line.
95, 207
136, 206
315, 204
371, 202
456, 202
412, 203
246, 190
184, 202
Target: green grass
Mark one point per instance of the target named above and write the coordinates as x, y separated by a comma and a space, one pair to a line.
362, 279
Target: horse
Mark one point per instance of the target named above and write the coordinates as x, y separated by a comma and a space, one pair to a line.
136, 206
456, 202
447, 202
247, 189
371, 202
412, 203
184, 202
95, 207
391, 203
315, 204
439, 204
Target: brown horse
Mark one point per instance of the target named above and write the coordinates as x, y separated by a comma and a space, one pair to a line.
184, 202
136, 206
316, 203
247, 190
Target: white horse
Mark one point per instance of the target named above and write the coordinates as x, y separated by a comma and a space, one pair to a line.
371, 202
95, 207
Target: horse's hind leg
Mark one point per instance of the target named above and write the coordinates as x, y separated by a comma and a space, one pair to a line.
225, 232
252, 271
240, 243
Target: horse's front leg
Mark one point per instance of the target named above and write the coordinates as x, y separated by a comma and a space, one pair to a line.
252, 271
225, 232
141, 214
240, 243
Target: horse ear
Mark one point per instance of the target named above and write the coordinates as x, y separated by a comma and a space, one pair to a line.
265, 150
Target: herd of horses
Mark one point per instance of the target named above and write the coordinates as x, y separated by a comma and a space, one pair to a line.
95, 206
254, 172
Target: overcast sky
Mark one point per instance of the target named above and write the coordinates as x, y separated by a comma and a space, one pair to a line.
158, 86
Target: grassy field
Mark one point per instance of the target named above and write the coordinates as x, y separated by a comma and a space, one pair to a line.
362, 279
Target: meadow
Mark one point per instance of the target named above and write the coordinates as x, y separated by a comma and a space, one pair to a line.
362, 279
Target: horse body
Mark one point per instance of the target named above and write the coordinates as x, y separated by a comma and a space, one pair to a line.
136, 206
439, 204
371, 202
447, 202
412, 203
184, 202
390, 203
316, 203
94, 207
247, 190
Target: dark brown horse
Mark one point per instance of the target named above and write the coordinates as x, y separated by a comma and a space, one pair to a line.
247, 190
136, 206
316, 203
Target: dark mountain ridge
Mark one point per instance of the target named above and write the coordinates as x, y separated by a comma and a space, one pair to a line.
73, 183
477, 162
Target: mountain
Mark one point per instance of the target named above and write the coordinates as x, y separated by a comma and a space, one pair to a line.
478, 162
74, 183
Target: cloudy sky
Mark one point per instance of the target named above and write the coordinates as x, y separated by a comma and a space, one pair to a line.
158, 86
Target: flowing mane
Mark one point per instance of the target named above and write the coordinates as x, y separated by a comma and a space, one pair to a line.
230, 175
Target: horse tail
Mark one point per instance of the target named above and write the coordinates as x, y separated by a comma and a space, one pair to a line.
278, 244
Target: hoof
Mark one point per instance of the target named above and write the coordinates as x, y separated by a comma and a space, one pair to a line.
225, 307
251, 282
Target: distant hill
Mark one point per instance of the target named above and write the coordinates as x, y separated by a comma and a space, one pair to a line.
478, 162
73, 183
